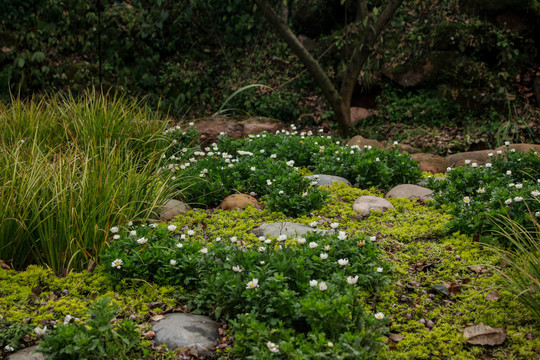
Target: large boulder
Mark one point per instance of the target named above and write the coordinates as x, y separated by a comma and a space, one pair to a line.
481, 157
326, 180
431, 163
410, 191
239, 201
285, 228
406, 148
365, 204
361, 142
359, 114
197, 332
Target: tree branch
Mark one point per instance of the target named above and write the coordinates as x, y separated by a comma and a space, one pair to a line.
312, 65
363, 50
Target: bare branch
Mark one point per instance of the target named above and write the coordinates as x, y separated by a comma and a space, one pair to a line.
312, 65
364, 49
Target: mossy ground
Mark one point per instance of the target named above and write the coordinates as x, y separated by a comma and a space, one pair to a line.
411, 236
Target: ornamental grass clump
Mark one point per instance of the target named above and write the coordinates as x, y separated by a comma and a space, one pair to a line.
62, 192
521, 276
313, 288
475, 195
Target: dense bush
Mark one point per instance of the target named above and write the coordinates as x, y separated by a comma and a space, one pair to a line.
477, 195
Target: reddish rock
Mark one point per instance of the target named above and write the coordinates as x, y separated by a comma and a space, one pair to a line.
210, 128
358, 114
257, 124
431, 163
239, 201
521, 147
361, 141
480, 157
408, 149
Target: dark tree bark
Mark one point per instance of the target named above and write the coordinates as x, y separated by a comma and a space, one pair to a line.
372, 26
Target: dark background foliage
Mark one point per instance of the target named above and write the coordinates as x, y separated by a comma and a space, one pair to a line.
187, 56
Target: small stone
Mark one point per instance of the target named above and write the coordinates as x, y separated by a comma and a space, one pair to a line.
410, 191
179, 330
365, 204
26, 354
290, 229
171, 209
239, 201
327, 180
493, 296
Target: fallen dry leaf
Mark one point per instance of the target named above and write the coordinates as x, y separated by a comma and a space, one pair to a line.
157, 317
484, 335
493, 296
149, 335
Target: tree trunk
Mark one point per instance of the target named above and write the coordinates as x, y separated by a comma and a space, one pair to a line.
340, 102
343, 115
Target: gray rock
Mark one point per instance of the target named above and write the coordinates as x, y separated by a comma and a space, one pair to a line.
436, 178
171, 209
26, 354
326, 180
285, 228
410, 191
365, 204
197, 332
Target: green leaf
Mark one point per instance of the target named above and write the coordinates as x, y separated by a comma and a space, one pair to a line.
19, 62
38, 56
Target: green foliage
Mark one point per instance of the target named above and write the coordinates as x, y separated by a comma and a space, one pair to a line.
475, 195
71, 171
420, 107
366, 167
271, 281
101, 337
13, 335
266, 165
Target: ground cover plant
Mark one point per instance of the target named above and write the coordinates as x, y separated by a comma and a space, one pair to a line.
476, 195
389, 285
268, 166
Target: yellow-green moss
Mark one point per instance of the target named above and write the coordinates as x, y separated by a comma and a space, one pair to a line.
17, 301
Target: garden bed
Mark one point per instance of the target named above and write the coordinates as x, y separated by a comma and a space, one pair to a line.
410, 282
